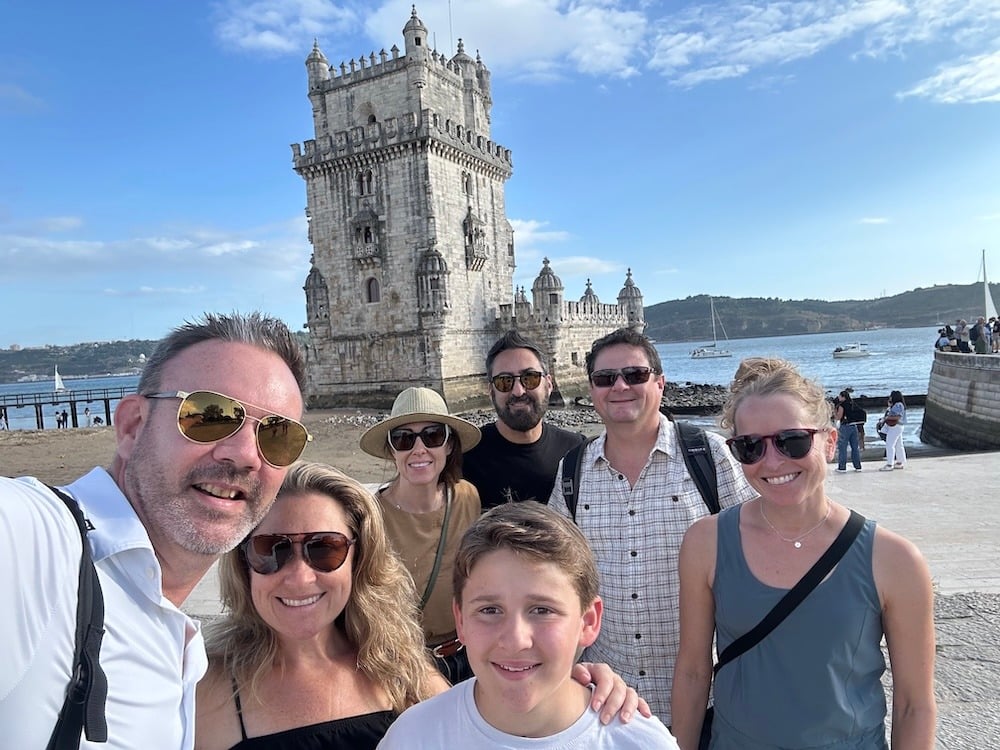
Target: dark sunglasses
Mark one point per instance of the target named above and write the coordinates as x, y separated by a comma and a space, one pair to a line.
749, 449
631, 376
207, 417
530, 380
324, 551
432, 436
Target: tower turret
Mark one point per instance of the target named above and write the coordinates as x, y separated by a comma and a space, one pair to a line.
589, 297
415, 38
630, 298
547, 291
318, 67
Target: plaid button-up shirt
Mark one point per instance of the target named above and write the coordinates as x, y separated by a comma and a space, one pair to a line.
636, 535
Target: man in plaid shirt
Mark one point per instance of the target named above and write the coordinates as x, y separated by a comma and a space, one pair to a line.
635, 501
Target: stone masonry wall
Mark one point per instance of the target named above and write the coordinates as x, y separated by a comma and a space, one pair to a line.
963, 402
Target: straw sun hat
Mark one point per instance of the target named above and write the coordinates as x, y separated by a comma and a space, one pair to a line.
416, 405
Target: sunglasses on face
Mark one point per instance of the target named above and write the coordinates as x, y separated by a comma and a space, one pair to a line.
207, 417
324, 551
530, 380
631, 376
749, 449
432, 436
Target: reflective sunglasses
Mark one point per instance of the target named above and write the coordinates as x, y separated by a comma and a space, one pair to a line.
324, 551
432, 436
749, 449
631, 376
207, 417
530, 380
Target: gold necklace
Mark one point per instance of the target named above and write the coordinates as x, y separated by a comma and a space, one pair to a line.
797, 541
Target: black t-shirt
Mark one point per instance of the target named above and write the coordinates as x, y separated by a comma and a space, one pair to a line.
503, 471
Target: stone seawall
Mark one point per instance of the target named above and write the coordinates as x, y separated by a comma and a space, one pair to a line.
963, 402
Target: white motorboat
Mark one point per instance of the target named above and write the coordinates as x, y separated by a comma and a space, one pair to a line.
851, 351
712, 351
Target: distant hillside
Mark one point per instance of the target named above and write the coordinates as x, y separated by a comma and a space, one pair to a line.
689, 319
677, 320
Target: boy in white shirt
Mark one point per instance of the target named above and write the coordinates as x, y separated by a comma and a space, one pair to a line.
525, 606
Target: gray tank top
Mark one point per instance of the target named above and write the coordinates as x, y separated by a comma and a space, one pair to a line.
814, 681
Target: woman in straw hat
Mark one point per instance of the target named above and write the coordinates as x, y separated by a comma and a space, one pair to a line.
427, 507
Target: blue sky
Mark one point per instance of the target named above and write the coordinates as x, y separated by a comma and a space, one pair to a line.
820, 148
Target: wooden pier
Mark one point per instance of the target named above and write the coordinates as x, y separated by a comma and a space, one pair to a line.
73, 401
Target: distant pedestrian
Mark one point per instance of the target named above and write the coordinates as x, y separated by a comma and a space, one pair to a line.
4, 424
894, 419
979, 336
86, 416
58, 417
995, 338
65, 419
847, 431
962, 335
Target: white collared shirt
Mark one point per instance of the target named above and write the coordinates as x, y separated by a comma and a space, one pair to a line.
152, 653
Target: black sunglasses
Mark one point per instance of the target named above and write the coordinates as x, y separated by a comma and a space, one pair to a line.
749, 449
208, 417
432, 436
631, 376
530, 380
324, 551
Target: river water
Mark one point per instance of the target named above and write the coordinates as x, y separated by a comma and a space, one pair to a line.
900, 358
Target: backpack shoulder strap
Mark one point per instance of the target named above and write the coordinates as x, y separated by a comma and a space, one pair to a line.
700, 464
571, 466
87, 692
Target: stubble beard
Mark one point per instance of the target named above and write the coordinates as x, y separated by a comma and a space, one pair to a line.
189, 525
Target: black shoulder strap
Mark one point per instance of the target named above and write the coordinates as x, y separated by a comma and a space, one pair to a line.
87, 692
797, 594
571, 465
700, 463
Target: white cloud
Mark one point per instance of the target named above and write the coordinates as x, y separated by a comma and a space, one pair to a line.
874, 220
970, 81
580, 265
280, 27
549, 40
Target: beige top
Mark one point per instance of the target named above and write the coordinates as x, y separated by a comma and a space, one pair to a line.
415, 537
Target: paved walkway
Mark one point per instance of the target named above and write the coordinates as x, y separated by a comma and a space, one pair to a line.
949, 506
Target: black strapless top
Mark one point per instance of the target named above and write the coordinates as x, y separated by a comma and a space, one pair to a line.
362, 732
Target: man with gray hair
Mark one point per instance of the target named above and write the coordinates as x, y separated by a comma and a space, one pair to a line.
202, 449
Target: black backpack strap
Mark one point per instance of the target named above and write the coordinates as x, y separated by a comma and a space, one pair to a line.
571, 467
700, 463
87, 692
797, 594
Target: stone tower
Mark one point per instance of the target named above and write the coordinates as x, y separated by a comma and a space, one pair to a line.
412, 250
413, 256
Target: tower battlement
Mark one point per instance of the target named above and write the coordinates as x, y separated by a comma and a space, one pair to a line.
395, 131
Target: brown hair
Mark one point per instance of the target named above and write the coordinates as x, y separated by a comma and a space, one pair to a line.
630, 338
531, 530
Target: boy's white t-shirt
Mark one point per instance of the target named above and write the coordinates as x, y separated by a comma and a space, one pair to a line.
451, 719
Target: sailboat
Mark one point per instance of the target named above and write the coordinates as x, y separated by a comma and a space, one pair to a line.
59, 385
712, 351
989, 306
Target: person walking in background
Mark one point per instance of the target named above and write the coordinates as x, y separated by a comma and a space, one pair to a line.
4, 424
980, 336
519, 453
962, 335
86, 416
321, 643
847, 432
893, 420
814, 681
180, 490
994, 324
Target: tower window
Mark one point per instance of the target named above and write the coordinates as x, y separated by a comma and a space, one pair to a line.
372, 291
553, 298
416, 40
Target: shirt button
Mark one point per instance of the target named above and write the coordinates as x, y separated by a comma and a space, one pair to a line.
633, 553
635, 596
642, 672
674, 498
621, 476
638, 636
631, 512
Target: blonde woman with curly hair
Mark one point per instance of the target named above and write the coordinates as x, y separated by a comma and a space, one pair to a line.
320, 645
813, 681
